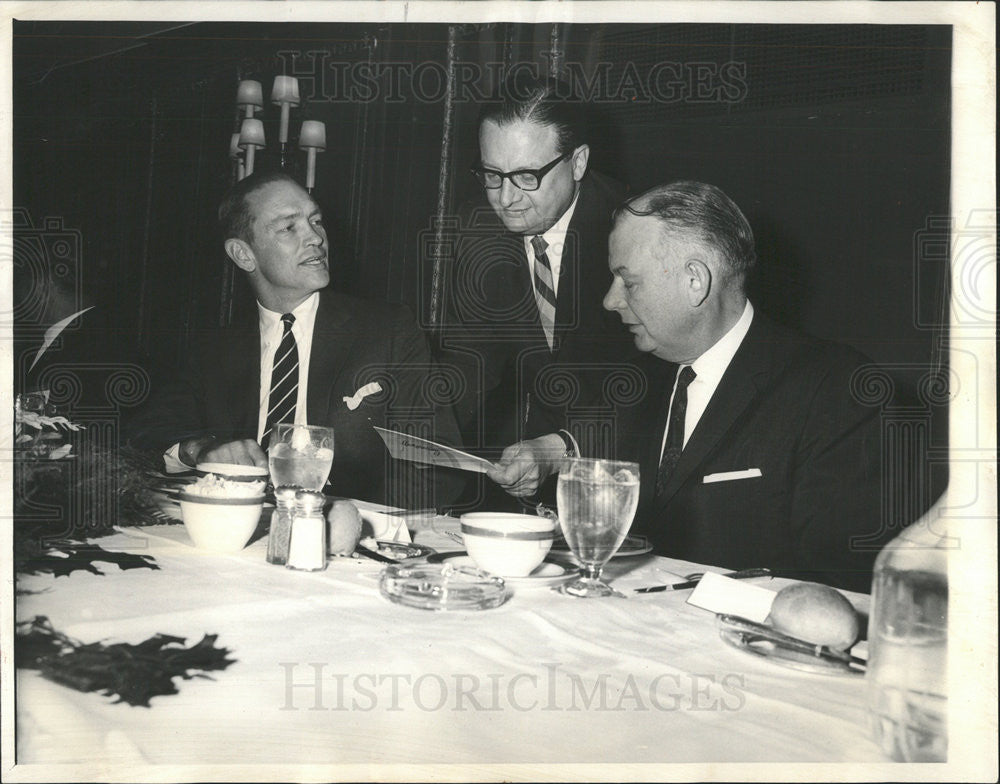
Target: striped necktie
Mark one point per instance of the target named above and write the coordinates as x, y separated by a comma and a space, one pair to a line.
675, 429
545, 295
284, 381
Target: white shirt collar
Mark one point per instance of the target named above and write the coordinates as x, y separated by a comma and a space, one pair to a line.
555, 242
710, 366
556, 233
306, 311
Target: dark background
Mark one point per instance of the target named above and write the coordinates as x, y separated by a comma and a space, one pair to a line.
837, 150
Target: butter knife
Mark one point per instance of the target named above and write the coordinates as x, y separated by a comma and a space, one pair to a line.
374, 555
740, 575
429, 511
764, 632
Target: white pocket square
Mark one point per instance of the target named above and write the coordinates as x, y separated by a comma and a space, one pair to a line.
368, 389
729, 476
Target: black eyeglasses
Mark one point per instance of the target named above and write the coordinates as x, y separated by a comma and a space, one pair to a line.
525, 179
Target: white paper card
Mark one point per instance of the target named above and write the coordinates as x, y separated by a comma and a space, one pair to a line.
419, 450
719, 594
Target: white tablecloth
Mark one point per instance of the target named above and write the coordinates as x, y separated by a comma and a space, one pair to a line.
329, 672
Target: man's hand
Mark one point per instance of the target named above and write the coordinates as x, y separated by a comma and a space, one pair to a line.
243, 452
524, 466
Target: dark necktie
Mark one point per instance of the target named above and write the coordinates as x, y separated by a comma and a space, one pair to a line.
284, 381
545, 295
675, 429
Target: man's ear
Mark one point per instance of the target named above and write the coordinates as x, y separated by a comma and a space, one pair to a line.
241, 254
699, 280
579, 159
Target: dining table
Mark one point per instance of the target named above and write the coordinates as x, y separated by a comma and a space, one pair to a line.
330, 680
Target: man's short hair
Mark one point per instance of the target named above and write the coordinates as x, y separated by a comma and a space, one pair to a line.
544, 101
704, 210
235, 219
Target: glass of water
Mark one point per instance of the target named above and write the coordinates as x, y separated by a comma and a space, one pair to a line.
300, 456
597, 501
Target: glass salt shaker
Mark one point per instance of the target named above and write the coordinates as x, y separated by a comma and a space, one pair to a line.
281, 525
307, 544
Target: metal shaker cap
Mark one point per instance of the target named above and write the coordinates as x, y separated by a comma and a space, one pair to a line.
309, 501
285, 494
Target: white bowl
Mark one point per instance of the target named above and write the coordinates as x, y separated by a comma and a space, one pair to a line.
506, 543
233, 471
223, 525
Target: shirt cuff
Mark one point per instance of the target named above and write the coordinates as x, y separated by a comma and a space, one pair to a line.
172, 463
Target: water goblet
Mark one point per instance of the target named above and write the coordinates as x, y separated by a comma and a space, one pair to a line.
597, 501
300, 455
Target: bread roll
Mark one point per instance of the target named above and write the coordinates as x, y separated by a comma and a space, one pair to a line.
344, 527
816, 613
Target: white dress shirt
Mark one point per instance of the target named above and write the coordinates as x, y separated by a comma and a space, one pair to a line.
555, 239
271, 330
709, 368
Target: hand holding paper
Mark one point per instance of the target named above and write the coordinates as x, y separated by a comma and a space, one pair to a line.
524, 466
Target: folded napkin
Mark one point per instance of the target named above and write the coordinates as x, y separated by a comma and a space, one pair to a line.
384, 526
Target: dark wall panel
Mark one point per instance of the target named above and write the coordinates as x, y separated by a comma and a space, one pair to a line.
834, 140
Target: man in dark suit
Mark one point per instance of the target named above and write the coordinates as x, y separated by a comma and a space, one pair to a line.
524, 294
753, 450
310, 356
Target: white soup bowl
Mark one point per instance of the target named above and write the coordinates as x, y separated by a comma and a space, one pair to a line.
223, 525
506, 543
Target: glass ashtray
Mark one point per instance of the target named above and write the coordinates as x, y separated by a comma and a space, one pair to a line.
442, 587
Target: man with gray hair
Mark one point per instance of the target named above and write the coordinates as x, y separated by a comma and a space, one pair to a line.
753, 451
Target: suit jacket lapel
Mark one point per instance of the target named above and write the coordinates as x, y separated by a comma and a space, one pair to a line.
569, 281
523, 287
332, 344
748, 374
580, 245
653, 421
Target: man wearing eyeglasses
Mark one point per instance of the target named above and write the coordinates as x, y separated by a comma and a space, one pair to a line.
523, 316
